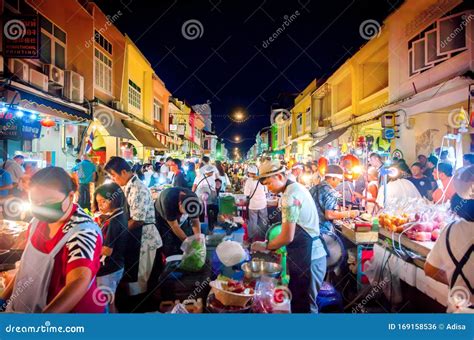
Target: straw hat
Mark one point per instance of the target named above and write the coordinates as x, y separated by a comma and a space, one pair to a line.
463, 182
270, 168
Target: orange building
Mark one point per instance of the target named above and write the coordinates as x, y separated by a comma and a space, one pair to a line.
161, 117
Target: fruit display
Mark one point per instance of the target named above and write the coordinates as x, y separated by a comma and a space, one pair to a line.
392, 222
420, 221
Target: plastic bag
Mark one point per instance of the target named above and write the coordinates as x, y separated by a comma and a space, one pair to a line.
231, 253
179, 309
262, 302
194, 253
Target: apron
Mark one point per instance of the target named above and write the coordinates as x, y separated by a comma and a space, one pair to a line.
34, 275
459, 267
299, 268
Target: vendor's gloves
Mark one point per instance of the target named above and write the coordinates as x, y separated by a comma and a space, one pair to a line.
259, 246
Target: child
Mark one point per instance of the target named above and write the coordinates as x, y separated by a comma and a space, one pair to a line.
110, 200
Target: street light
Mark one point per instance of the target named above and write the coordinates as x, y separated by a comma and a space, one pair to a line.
237, 138
239, 114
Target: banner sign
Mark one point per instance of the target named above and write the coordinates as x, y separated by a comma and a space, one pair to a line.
21, 36
15, 128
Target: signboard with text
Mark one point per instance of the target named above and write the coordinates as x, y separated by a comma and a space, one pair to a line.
21, 36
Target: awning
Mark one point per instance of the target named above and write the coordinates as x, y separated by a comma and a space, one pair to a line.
113, 124
38, 98
330, 137
144, 136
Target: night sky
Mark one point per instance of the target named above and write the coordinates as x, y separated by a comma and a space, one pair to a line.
229, 63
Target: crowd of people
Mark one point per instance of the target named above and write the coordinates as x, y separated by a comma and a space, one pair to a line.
87, 243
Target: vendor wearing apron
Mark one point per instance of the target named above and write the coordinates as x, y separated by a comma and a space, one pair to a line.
300, 234
176, 208
143, 261
451, 261
58, 268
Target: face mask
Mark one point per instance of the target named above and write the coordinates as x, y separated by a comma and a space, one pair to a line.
48, 213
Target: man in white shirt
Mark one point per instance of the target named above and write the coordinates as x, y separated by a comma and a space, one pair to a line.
300, 234
451, 261
257, 205
398, 188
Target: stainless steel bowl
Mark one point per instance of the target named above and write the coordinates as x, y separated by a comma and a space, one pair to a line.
258, 268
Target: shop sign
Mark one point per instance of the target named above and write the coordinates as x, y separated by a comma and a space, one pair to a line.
388, 133
388, 120
21, 36
173, 127
181, 130
12, 127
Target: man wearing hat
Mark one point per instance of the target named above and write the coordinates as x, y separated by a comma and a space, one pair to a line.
451, 261
296, 172
257, 205
300, 234
326, 198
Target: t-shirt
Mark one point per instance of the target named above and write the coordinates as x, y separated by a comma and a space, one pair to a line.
83, 249
297, 206
460, 239
179, 180
422, 184
5, 179
15, 170
85, 171
326, 198
204, 184
396, 190
167, 203
259, 199
115, 233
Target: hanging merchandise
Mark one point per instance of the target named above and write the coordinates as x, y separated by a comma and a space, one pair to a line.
322, 165
344, 148
47, 122
382, 144
397, 153
370, 142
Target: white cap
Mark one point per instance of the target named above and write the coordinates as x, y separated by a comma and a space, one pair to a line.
463, 182
252, 169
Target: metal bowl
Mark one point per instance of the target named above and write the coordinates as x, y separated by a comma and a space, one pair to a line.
258, 268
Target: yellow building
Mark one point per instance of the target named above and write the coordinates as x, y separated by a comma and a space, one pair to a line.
137, 99
349, 102
301, 124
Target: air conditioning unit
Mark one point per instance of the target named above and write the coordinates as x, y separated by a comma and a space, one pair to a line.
55, 75
117, 105
39, 80
74, 86
18, 68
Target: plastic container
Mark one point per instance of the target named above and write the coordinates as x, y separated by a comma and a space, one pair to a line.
375, 224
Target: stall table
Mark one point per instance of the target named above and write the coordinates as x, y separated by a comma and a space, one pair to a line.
410, 270
362, 241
